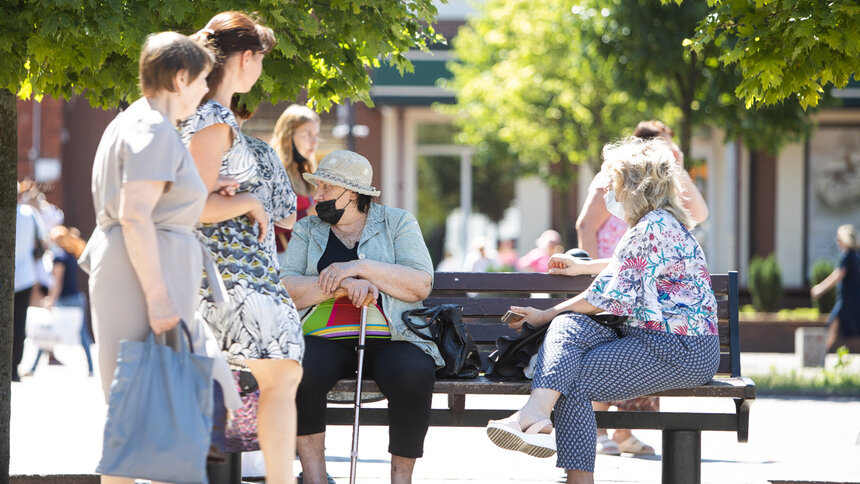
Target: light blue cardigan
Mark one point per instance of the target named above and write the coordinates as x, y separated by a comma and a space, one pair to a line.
390, 235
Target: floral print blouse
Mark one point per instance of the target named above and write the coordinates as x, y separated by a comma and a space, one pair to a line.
659, 278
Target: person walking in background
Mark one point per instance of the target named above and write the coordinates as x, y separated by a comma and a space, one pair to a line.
257, 327
50, 216
64, 290
143, 258
477, 260
599, 231
295, 139
844, 321
537, 259
28, 233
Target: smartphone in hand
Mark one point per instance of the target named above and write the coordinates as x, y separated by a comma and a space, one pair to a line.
512, 316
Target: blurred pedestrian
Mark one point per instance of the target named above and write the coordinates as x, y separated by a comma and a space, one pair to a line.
65, 291
537, 259
507, 256
478, 260
449, 263
844, 321
28, 235
295, 139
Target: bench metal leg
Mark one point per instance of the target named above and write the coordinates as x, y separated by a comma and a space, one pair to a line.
682, 457
227, 472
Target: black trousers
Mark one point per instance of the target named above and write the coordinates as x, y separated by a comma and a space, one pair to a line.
404, 373
22, 302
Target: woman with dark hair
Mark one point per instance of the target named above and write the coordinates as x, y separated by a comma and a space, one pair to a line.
257, 327
351, 252
295, 139
143, 258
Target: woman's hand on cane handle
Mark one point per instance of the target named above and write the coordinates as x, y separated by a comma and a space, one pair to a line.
361, 292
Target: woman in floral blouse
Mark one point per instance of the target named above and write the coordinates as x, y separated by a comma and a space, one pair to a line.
658, 279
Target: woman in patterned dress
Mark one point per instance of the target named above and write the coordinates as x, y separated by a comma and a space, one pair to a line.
658, 278
257, 326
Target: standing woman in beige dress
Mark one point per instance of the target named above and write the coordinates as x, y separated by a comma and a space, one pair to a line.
143, 258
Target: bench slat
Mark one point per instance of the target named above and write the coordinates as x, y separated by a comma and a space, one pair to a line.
719, 387
614, 420
504, 282
495, 307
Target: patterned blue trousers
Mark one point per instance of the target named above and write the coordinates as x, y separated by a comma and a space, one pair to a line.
585, 362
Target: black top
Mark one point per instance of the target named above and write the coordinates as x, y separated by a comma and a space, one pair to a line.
849, 295
70, 275
336, 251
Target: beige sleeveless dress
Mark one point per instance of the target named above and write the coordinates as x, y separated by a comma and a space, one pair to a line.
141, 144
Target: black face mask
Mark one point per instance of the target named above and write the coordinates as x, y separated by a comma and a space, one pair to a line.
297, 157
327, 212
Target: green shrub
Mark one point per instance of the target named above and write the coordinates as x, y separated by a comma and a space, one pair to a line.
840, 380
765, 283
820, 270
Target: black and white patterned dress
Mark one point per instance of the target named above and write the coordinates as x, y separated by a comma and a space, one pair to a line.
258, 319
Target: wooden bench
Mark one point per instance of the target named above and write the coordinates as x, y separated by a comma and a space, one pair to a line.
486, 296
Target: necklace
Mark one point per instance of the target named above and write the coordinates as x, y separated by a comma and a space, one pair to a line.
349, 240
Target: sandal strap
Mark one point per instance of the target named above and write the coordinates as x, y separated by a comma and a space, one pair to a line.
632, 444
536, 427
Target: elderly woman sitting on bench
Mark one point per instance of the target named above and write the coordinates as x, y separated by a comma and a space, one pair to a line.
657, 278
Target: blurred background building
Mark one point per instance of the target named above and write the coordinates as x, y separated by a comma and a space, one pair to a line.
788, 204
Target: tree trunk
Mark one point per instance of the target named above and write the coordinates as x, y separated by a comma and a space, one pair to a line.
8, 211
687, 89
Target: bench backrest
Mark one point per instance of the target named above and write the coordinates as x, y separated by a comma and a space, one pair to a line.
486, 296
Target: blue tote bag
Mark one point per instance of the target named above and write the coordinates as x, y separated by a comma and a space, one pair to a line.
159, 418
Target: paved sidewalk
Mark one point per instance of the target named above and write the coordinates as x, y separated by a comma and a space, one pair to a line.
57, 418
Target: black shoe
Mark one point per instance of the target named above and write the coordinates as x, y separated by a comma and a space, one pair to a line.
301, 478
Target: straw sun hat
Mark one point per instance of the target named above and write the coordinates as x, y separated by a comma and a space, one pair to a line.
345, 169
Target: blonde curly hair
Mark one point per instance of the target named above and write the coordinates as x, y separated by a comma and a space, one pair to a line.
645, 177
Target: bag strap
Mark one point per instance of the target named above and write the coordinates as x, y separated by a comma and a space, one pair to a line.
183, 332
430, 313
187, 333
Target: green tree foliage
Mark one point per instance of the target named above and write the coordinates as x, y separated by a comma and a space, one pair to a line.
90, 47
765, 283
527, 75
535, 95
649, 38
782, 48
554, 81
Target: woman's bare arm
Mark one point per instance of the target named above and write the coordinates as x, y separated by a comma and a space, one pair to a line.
137, 199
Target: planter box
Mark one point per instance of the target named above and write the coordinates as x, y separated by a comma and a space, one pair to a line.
765, 333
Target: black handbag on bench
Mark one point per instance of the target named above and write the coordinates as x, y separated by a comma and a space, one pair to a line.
460, 353
514, 353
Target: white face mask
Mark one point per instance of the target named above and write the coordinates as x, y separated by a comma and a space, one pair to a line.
613, 205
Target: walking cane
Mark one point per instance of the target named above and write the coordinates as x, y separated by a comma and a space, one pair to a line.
353, 455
